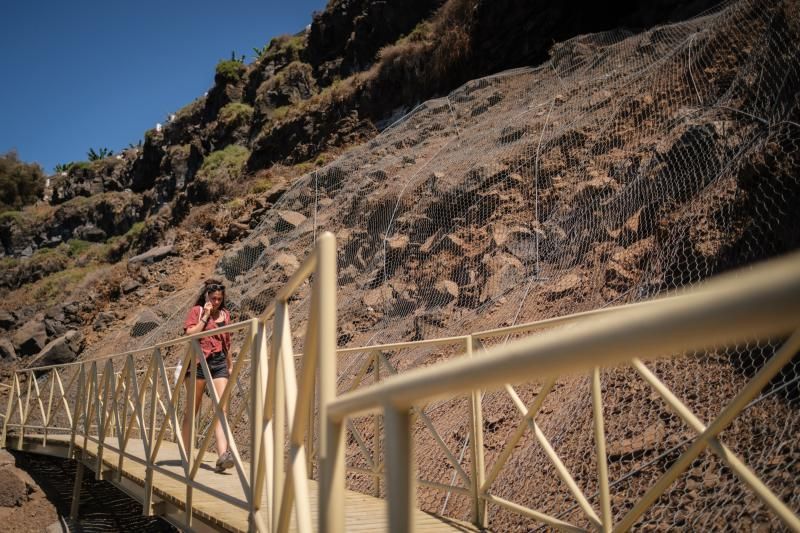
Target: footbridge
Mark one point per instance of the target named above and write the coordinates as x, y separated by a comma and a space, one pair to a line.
303, 438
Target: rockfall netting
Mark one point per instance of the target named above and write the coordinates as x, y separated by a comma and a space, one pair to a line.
626, 166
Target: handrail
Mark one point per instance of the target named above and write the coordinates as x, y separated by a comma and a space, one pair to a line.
735, 307
236, 326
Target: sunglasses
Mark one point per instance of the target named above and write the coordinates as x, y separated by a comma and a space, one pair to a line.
215, 287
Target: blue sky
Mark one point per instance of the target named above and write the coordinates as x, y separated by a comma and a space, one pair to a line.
85, 74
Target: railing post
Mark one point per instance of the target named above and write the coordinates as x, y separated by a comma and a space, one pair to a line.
191, 393
26, 411
76, 491
478, 468
278, 412
152, 379
331, 449
400, 469
79, 401
258, 362
600, 444
376, 431
47, 417
9, 409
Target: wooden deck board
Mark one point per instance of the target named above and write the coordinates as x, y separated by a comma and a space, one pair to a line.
362, 512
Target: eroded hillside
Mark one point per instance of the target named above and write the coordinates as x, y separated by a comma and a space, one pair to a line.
625, 166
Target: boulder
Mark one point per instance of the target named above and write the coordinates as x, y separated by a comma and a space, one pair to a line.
154, 254
90, 233
7, 320
129, 285
636, 446
444, 292
102, 320
62, 350
398, 242
377, 298
504, 272
521, 242
7, 351
30, 338
275, 192
289, 220
284, 265
564, 285
54, 328
236, 230
452, 243
599, 98
500, 234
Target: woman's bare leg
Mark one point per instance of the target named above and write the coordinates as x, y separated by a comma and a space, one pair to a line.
187, 421
219, 433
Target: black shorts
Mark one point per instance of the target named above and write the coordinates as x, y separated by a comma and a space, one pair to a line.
217, 364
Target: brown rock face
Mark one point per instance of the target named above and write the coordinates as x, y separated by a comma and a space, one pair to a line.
345, 37
30, 338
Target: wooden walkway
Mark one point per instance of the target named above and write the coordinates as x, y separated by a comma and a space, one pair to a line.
362, 512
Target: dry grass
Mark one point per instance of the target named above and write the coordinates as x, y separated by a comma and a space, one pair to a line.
432, 55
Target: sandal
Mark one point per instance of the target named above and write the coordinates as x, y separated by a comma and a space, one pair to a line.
224, 462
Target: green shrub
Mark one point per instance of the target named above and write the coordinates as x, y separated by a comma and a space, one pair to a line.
235, 205
261, 186
280, 113
11, 216
229, 71
7, 263
236, 112
225, 164
50, 289
30, 216
283, 47
20, 183
76, 166
221, 170
77, 247
135, 231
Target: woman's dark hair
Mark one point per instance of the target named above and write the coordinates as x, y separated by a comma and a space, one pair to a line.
211, 285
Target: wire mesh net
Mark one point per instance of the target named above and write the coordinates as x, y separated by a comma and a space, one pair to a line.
626, 166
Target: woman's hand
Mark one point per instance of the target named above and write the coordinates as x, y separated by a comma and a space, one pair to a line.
206, 313
230, 366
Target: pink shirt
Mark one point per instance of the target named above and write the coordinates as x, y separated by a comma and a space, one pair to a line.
213, 343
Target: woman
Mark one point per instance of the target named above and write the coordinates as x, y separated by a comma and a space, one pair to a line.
209, 313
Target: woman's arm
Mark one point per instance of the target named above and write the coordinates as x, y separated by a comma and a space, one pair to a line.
205, 314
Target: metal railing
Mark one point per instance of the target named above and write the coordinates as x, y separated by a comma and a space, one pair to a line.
283, 411
107, 406
759, 303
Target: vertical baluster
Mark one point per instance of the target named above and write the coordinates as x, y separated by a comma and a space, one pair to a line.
278, 413
376, 431
600, 443
400, 469
478, 469
331, 448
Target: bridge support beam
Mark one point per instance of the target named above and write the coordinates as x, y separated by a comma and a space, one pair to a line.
76, 491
